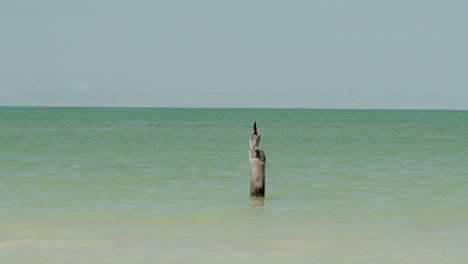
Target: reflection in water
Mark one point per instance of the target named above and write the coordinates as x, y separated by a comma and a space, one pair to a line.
257, 204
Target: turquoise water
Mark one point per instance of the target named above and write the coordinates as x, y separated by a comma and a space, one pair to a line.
157, 185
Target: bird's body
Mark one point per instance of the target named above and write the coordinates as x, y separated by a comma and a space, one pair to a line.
254, 138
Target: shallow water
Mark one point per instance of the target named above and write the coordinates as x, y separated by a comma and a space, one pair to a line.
155, 185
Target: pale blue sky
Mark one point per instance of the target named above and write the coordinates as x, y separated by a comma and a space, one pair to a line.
305, 54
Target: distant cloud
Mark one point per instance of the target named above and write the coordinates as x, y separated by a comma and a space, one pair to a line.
4, 92
84, 86
345, 91
38, 88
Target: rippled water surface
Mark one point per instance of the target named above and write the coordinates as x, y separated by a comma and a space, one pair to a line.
155, 185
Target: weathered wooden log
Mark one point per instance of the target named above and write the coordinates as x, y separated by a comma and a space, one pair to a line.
257, 173
257, 165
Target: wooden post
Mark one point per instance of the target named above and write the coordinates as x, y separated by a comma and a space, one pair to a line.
257, 165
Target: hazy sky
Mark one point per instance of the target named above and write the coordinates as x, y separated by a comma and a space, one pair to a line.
304, 54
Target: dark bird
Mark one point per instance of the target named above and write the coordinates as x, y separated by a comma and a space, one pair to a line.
255, 137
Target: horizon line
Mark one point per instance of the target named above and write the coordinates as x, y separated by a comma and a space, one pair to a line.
212, 107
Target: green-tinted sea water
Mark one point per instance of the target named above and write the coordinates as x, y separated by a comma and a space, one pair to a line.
157, 185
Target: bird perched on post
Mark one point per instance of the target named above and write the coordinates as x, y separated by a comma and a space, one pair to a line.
254, 138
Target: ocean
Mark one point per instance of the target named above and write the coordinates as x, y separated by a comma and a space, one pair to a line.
171, 185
